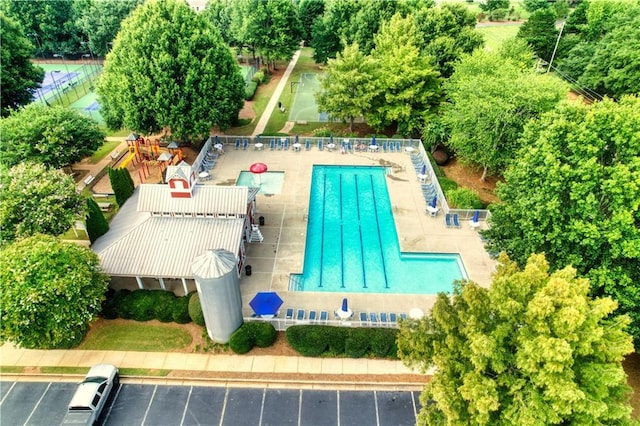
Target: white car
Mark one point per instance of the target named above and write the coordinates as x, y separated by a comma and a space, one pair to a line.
92, 394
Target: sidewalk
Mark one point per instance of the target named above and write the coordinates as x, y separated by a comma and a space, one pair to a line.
229, 369
94, 169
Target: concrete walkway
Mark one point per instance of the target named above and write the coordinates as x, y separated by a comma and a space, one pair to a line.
107, 161
266, 115
245, 369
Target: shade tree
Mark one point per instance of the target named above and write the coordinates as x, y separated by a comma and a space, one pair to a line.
574, 194
540, 32
100, 22
534, 348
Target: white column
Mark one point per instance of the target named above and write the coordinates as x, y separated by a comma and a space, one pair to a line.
162, 283
184, 284
140, 285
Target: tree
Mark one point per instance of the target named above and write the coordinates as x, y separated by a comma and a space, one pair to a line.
409, 86
532, 349
491, 97
170, 68
50, 290
20, 78
540, 32
574, 194
308, 12
328, 31
121, 183
100, 21
533, 5
348, 86
491, 5
34, 199
55, 136
96, 224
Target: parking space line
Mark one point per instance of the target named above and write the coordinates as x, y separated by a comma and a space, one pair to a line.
415, 409
113, 402
300, 409
186, 405
37, 403
338, 405
224, 406
8, 392
264, 394
146, 413
375, 399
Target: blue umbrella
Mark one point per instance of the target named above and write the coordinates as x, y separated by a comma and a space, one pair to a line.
423, 171
266, 303
296, 138
476, 216
345, 306
373, 140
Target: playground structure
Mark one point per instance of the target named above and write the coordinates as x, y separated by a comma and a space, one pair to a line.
146, 152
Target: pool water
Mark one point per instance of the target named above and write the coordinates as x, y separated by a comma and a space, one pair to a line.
352, 244
268, 182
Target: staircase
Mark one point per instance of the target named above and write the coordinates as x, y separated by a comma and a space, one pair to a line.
256, 235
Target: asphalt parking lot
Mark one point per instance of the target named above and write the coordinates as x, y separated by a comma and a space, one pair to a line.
41, 403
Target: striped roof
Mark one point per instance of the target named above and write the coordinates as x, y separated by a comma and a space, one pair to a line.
156, 198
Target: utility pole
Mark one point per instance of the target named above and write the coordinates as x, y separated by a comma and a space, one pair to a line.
555, 48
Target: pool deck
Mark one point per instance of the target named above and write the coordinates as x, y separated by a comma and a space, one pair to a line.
282, 251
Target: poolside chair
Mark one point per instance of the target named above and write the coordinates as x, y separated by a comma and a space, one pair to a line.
349, 147
447, 220
237, 144
373, 317
288, 314
403, 317
474, 222
456, 221
384, 146
300, 315
245, 144
393, 318
324, 317
364, 319
307, 144
279, 146
398, 146
383, 318
272, 144
313, 315
286, 144
320, 145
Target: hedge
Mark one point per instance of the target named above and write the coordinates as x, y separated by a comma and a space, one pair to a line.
258, 77
145, 305
250, 334
250, 90
195, 309
316, 340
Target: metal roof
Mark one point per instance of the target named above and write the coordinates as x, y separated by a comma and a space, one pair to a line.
206, 199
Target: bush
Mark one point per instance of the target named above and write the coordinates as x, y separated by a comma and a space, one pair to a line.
142, 305
464, 198
308, 340
195, 309
498, 14
264, 333
315, 340
241, 340
322, 132
336, 337
357, 343
258, 77
250, 90
383, 342
447, 184
180, 310
163, 301
109, 306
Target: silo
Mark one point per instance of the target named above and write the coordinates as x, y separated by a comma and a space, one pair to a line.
216, 277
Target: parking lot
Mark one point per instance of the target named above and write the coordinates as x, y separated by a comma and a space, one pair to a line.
42, 403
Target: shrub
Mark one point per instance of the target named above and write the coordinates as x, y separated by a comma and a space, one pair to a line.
308, 340
109, 306
195, 309
357, 343
163, 302
322, 132
498, 14
180, 310
447, 184
143, 305
464, 198
258, 77
241, 340
96, 224
336, 337
250, 90
264, 334
382, 342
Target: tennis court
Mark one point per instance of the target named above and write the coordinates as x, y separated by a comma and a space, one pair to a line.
304, 107
247, 72
61, 78
88, 105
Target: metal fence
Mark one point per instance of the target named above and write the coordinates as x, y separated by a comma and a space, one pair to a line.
281, 324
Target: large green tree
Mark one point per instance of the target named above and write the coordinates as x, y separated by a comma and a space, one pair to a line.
19, 78
408, 83
100, 23
574, 194
34, 199
540, 32
55, 136
308, 12
49, 290
491, 98
169, 67
348, 86
533, 349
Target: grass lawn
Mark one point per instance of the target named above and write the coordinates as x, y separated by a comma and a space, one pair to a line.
129, 336
495, 35
106, 149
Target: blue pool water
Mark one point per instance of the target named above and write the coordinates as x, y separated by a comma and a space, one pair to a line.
352, 244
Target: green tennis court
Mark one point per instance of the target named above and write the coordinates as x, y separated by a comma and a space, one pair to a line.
247, 73
304, 107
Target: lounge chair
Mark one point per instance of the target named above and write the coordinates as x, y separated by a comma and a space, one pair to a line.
456, 221
300, 315
384, 146
245, 144
279, 144
320, 145
383, 318
398, 146
307, 144
373, 317
364, 320
272, 144
288, 316
403, 317
324, 317
474, 222
286, 144
313, 315
237, 144
447, 220
393, 318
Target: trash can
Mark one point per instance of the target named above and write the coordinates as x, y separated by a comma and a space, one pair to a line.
247, 270
261, 220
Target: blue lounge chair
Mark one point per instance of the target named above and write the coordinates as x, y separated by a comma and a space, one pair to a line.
398, 146
289, 314
237, 143
384, 146
324, 317
364, 320
313, 315
349, 147
383, 318
279, 146
447, 220
393, 318
320, 145
272, 144
245, 143
300, 315
403, 317
286, 144
456, 221
373, 317
307, 144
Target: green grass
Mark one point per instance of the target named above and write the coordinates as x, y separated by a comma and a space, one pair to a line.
495, 35
136, 337
144, 372
11, 369
106, 149
64, 370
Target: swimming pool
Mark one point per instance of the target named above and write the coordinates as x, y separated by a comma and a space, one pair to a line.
268, 182
352, 245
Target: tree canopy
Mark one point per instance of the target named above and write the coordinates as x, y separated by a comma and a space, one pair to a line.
169, 67
574, 194
19, 77
492, 95
49, 290
100, 22
55, 136
534, 348
34, 199
540, 32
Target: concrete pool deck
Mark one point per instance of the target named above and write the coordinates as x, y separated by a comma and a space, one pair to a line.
282, 251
